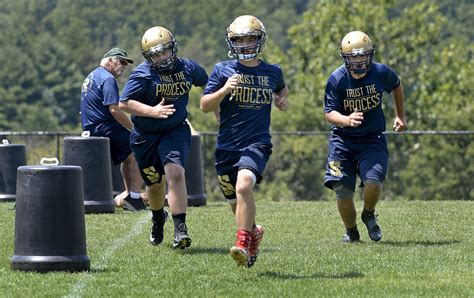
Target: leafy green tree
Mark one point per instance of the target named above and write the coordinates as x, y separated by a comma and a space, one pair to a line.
30, 57
440, 168
35, 117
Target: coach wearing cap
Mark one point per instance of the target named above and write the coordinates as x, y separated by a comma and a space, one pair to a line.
101, 116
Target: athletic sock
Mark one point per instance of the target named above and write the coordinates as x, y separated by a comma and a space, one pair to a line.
134, 195
368, 212
158, 214
179, 218
353, 229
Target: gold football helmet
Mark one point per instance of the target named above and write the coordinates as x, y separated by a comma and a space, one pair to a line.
245, 25
157, 40
355, 44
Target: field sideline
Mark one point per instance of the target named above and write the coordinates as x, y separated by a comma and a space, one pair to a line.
426, 250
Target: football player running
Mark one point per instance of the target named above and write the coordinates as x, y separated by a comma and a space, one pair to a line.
357, 146
241, 92
157, 94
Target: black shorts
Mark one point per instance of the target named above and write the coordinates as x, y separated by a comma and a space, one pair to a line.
119, 138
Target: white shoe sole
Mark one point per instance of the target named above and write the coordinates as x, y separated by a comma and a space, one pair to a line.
240, 256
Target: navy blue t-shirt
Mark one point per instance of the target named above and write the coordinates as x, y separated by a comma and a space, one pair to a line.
149, 87
245, 112
99, 90
345, 94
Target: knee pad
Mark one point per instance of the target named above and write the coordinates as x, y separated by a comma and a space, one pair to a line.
247, 172
342, 192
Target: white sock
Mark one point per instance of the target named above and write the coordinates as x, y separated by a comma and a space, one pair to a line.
135, 195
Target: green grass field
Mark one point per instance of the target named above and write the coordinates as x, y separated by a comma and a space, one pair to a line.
426, 250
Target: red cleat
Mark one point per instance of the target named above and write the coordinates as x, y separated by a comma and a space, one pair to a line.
255, 238
240, 252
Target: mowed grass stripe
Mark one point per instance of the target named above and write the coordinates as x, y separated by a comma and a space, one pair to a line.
101, 263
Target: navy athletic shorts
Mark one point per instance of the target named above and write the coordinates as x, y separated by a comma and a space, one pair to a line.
347, 158
153, 151
228, 163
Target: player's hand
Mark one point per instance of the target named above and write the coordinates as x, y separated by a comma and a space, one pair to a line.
162, 110
281, 102
355, 119
232, 83
400, 124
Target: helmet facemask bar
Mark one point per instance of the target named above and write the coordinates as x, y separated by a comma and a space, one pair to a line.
247, 52
360, 67
162, 66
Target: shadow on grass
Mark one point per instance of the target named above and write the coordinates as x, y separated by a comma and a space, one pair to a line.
205, 250
284, 276
213, 250
70, 272
103, 270
211, 205
418, 242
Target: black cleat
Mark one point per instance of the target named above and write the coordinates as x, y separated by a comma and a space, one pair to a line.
156, 232
181, 238
370, 221
133, 204
351, 236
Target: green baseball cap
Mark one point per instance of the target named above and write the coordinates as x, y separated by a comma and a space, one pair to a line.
118, 53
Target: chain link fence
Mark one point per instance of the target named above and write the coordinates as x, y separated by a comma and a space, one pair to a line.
423, 165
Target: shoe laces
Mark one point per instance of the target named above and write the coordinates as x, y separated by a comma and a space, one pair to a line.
255, 239
372, 215
242, 241
181, 228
